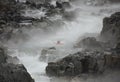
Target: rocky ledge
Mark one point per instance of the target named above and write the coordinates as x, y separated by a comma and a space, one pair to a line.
90, 62
12, 72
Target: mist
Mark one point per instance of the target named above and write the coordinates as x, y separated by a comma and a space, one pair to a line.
81, 20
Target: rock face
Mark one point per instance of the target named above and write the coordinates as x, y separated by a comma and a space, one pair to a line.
90, 62
76, 64
111, 29
12, 72
3, 56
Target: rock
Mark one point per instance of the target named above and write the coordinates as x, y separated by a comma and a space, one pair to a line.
75, 64
89, 43
112, 61
111, 29
48, 54
14, 73
3, 56
13, 60
117, 48
69, 16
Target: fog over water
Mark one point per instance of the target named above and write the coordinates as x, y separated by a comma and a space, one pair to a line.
84, 19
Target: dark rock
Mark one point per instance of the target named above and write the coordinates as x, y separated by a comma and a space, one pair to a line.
14, 73
75, 64
59, 4
111, 29
69, 16
3, 56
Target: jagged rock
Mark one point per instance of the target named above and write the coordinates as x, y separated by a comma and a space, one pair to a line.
3, 56
111, 29
87, 61
76, 64
14, 73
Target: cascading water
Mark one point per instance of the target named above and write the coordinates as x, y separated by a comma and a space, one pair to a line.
88, 20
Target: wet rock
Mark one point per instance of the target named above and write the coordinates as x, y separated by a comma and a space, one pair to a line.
111, 28
66, 5
117, 48
14, 73
3, 56
75, 64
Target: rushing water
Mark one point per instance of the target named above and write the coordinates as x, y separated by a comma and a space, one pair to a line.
88, 19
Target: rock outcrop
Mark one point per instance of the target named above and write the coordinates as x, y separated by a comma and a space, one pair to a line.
14, 73
90, 62
73, 65
10, 72
111, 29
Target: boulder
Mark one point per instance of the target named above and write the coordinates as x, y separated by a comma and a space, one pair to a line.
75, 64
111, 29
14, 73
10, 72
